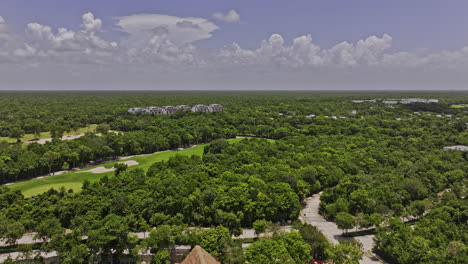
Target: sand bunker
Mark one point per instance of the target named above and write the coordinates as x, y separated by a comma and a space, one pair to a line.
129, 162
102, 169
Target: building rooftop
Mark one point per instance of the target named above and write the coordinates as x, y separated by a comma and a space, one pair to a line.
199, 256
459, 147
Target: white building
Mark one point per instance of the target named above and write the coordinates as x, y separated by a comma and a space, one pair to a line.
136, 110
418, 100
215, 107
459, 147
390, 102
200, 108
183, 107
363, 101
170, 109
156, 110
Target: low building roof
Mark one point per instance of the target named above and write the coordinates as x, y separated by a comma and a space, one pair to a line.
199, 256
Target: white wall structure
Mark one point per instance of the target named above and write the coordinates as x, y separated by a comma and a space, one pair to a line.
169, 109
200, 108
215, 107
462, 148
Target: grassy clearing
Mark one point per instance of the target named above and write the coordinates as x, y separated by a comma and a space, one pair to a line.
76, 186
459, 106
74, 180
27, 137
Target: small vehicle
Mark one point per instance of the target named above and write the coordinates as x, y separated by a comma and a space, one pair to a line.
315, 261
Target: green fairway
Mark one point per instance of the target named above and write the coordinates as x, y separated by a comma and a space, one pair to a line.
74, 180
27, 137
459, 106
76, 186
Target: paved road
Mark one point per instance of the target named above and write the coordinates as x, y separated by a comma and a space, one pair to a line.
246, 233
311, 215
29, 239
21, 256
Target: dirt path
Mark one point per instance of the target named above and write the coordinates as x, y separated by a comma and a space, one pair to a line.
310, 214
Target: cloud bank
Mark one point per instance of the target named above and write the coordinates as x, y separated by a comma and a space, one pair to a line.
162, 52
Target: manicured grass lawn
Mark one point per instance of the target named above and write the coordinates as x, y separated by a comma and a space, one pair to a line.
7, 139
74, 180
27, 137
459, 106
76, 186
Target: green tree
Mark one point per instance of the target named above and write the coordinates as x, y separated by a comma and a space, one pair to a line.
119, 168
51, 158
282, 248
297, 248
376, 219
57, 131
268, 251
161, 257
109, 237
214, 240
345, 221
164, 236
260, 226
16, 133
10, 232
70, 247
346, 252
48, 228
103, 129
456, 252
174, 140
319, 244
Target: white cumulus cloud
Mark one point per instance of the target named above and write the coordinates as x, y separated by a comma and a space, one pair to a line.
180, 30
231, 16
162, 39
86, 44
304, 53
156, 47
8, 41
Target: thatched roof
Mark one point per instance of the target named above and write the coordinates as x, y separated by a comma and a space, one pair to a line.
199, 256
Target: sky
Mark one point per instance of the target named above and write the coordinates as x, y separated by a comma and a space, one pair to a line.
233, 45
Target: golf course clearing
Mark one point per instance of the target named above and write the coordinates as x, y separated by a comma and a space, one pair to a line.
45, 136
459, 106
74, 179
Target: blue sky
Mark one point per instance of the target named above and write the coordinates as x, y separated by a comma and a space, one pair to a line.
401, 42
414, 24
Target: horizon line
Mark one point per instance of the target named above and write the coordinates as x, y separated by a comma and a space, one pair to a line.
239, 90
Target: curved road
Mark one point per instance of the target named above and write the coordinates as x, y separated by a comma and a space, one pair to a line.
310, 214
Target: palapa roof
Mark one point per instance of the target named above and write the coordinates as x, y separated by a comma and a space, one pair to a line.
199, 256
